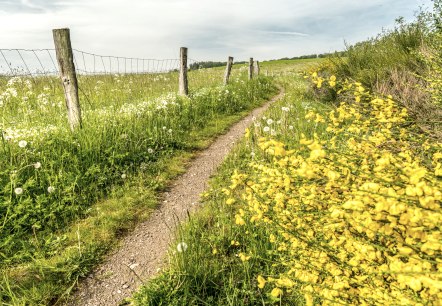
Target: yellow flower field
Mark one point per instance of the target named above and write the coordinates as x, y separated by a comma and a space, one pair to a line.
354, 214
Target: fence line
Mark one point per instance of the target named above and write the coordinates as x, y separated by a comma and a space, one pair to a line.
72, 62
41, 62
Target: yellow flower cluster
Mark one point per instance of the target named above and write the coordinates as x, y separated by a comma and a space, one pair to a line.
318, 80
355, 218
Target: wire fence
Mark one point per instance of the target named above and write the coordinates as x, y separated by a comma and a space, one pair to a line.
42, 62
30, 85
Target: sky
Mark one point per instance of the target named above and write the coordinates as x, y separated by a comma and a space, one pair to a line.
211, 29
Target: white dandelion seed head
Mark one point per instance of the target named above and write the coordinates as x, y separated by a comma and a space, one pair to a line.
269, 121
181, 247
285, 109
18, 191
150, 150
290, 127
169, 131
164, 127
22, 143
266, 129
37, 165
51, 189
123, 176
278, 122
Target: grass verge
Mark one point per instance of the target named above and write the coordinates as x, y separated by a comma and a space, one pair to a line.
222, 260
70, 253
320, 204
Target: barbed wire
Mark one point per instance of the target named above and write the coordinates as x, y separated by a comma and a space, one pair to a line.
42, 62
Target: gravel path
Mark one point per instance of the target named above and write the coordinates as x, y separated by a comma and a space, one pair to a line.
142, 253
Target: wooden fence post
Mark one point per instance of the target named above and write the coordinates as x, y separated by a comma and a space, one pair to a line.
65, 59
183, 84
257, 67
251, 68
228, 70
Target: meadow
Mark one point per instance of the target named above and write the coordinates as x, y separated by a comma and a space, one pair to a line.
334, 195
66, 197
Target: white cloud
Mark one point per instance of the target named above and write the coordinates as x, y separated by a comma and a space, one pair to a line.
211, 29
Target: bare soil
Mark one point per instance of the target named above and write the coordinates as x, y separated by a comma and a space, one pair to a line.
142, 253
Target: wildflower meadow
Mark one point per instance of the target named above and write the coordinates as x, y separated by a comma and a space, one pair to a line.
324, 203
65, 196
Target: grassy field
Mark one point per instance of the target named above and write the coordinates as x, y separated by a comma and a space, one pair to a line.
334, 195
66, 197
316, 205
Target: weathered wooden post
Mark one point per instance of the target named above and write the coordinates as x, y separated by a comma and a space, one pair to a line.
183, 84
251, 68
65, 59
228, 70
257, 67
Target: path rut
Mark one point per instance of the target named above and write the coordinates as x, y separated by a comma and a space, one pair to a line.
142, 253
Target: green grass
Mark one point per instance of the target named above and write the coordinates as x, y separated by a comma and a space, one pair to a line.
103, 178
254, 224
375, 60
210, 271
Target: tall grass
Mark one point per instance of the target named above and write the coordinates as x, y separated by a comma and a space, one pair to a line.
222, 260
403, 62
320, 205
373, 61
51, 177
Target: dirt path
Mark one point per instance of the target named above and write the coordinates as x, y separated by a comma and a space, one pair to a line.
143, 251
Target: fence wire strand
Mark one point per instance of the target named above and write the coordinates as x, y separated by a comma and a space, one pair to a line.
41, 62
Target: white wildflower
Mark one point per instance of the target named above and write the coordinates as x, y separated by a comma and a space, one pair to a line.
22, 143
182, 247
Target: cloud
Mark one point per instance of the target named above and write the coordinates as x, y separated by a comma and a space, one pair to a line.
211, 29
30, 6
284, 33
